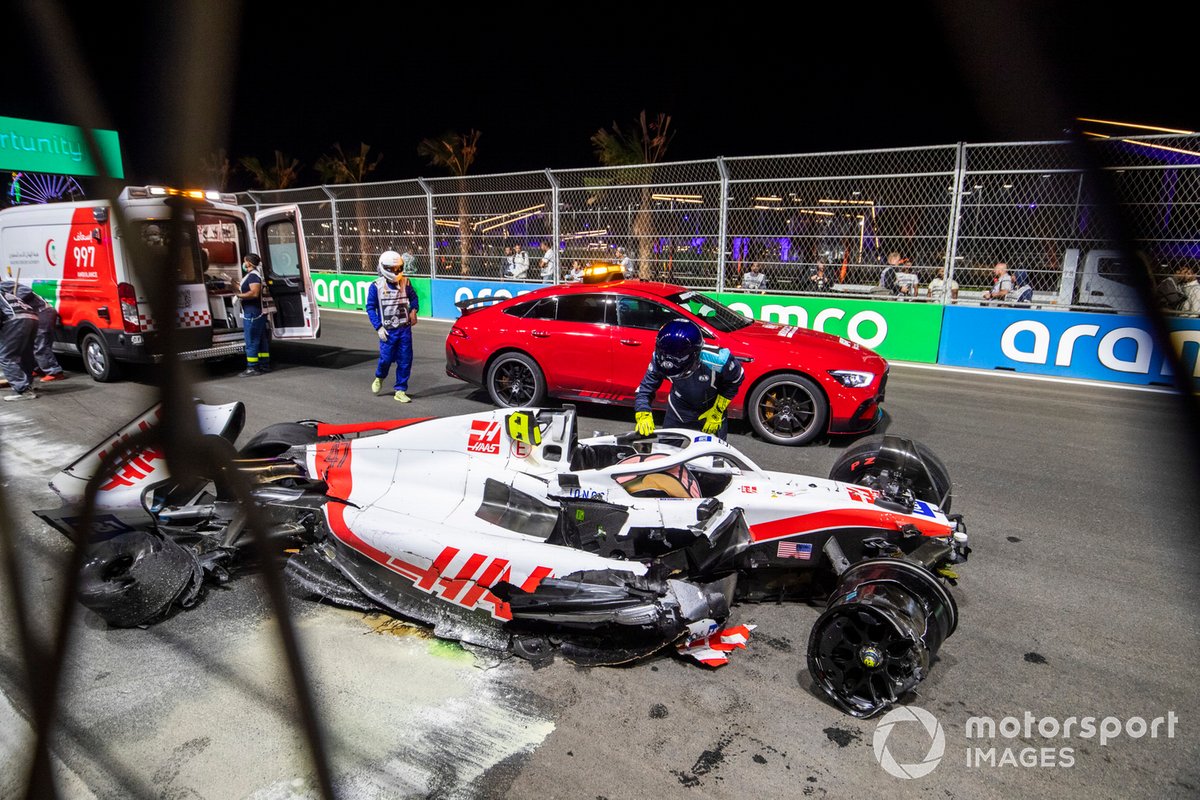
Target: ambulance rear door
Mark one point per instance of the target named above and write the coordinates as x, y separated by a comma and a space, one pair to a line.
280, 237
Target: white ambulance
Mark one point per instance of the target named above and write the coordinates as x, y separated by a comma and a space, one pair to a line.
75, 256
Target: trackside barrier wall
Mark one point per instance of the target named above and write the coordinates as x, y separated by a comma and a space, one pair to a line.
349, 292
898, 331
1103, 347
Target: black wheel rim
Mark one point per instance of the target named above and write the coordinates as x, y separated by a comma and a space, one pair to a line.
788, 410
515, 383
842, 646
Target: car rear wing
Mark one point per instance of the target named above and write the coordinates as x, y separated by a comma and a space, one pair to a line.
475, 303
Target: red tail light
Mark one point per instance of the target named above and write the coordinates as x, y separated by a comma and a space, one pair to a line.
129, 307
459, 332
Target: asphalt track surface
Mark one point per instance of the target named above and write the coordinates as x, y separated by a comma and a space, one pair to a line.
1079, 601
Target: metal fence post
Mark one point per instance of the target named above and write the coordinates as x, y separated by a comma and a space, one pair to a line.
429, 226
554, 223
337, 246
722, 222
960, 165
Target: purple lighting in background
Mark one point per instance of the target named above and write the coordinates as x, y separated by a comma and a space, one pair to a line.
785, 247
741, 247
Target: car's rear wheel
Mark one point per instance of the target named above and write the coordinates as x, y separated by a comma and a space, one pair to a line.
136, 578
97, 359
514, 380
274, 440
788, 409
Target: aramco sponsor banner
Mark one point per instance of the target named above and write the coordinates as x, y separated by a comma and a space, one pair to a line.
903, 331
349, 292
447, 292
1105, 347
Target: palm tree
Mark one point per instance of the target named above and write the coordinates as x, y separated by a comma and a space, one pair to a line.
337, 167
455, 152
280, 176
646, 142
216, 170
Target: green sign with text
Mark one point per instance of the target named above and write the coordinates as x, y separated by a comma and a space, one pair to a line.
904, 331
29, 146
349, 291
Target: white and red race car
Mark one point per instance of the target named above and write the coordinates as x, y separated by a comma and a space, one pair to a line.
505, 530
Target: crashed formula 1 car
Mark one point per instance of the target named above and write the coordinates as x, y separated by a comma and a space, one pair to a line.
505, 530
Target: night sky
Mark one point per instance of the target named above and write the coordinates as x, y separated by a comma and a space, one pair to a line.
836, 76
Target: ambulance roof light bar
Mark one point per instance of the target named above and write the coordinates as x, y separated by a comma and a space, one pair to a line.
142, 192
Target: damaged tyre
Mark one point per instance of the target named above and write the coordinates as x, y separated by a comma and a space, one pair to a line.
274, 440
892, 463
136, 578
880, 633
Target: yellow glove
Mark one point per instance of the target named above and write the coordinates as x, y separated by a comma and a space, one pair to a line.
711, 420
645, 423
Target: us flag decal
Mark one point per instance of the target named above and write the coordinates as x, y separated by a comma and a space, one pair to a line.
794, 550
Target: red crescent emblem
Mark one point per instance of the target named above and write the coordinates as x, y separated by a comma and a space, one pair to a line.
49, 250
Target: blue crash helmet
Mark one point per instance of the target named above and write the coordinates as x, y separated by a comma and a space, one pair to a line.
677, 348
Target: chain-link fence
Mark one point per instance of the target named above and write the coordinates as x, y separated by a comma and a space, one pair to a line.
885, 224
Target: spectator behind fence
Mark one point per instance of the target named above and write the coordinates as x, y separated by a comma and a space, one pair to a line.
575, 273
1001, 283
1188, 285
818, 279
625, 262
506, 262
754, 279
939, 287
887, 278
547, 263
1022, 292
906, 281
520, 262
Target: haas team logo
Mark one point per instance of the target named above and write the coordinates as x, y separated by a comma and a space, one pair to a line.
485, 437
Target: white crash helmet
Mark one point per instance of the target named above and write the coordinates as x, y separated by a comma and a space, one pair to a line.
387, 260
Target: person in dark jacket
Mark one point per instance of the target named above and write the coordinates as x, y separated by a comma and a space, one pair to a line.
258, 338
703, 383
18, 325
392, 308
43, 340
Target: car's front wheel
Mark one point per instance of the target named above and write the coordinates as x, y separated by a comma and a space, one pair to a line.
514, 380
788, 409
877, 461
